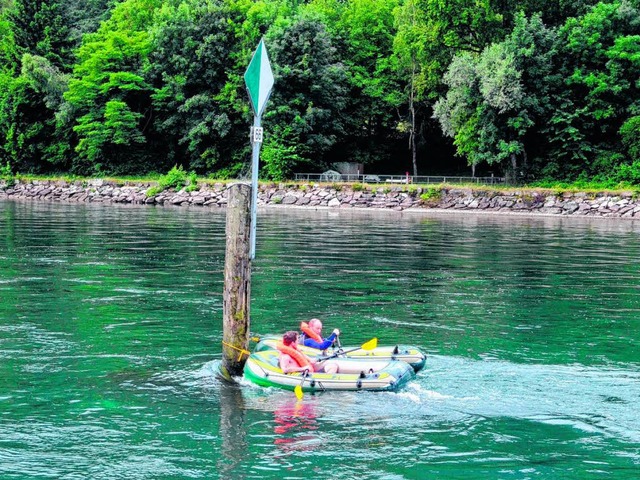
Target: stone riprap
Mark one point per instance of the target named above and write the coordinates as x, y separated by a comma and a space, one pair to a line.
394, 198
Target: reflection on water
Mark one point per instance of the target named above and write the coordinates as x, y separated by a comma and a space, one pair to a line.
110, 331
232, 429
295, 422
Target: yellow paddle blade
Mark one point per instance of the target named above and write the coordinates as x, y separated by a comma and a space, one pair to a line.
298, 392
371, 344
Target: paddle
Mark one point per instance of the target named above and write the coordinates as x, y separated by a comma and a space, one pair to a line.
369, 345
298, 390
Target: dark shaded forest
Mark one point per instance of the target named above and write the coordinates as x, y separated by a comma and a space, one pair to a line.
531, 89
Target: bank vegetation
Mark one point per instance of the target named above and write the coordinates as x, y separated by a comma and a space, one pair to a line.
544, 91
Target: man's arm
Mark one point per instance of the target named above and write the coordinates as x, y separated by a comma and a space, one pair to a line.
310, 342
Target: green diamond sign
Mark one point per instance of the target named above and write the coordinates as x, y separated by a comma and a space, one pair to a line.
259, 79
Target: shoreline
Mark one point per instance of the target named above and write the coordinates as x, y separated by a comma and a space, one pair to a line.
406, 198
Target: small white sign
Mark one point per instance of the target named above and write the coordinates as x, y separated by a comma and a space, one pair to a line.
256, 134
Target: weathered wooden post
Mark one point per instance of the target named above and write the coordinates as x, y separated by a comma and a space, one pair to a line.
241, 228
237, 281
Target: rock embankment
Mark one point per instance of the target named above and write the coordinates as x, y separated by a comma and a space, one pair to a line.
406, 197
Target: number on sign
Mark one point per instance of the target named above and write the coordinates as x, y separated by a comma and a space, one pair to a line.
256, 134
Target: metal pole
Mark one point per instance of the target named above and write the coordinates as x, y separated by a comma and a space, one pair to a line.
254, 187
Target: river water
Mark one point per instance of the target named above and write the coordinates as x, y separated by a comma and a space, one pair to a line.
110, 340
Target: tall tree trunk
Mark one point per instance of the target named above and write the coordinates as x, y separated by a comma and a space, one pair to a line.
412, 109
514, 168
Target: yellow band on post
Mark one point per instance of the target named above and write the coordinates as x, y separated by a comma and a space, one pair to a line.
241, 350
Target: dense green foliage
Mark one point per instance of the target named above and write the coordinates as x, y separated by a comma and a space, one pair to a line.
175, 178
535, 90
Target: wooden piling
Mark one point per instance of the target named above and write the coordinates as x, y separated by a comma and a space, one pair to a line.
237, 282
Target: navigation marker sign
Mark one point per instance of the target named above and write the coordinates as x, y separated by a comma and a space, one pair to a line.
259, 79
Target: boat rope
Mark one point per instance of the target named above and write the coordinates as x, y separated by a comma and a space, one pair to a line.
241, 350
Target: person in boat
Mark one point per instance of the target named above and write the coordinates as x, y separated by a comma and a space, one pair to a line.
312, 335
293, 360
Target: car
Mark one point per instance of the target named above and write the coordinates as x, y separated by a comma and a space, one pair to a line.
330, 176
371, 179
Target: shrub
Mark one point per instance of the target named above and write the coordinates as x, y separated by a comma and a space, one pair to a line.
431, 195
629, 173
175, 178
279, 159
153, 191
5, 172
232, 171
7, 175
630, 132
192, 182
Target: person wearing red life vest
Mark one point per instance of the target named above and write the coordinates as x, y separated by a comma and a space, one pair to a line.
293, 360
312, 335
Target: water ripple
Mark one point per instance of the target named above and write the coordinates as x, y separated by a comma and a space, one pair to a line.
110, 340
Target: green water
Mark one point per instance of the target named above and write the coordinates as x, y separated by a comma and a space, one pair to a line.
110, 331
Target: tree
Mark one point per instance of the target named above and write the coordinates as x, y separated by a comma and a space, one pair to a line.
22, 134
363, 32
305, 116
494, 98
84, 16
599, 92
109, 95
467, 25
45, 79
555, 12
9, 57
35, 54
194, 68
39, 29
408, 53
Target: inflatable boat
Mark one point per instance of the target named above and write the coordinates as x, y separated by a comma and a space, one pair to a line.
410, 355
369, 374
